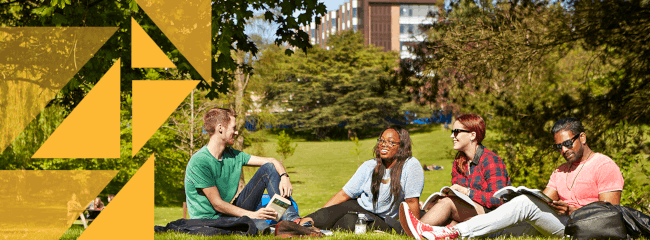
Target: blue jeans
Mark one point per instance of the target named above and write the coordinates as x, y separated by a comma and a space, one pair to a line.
267, 178
523, 215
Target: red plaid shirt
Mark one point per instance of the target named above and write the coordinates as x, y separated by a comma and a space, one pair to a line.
486, 175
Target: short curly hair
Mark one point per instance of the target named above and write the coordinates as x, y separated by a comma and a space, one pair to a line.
216, 116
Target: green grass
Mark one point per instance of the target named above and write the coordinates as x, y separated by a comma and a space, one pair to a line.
320, 169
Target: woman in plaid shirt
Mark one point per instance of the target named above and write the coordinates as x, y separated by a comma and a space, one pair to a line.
477, 172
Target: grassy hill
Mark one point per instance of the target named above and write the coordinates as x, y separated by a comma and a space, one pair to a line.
320, 169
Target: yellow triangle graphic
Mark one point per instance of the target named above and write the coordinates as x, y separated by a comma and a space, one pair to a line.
145, 53
153, 102
130, 214
187, 24
39, 62
92, 130
39, 204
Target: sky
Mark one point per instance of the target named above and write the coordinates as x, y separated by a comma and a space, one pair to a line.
333, 4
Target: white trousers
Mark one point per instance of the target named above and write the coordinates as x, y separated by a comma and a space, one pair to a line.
523, 215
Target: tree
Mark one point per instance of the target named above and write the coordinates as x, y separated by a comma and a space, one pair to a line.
522, 65
228, 21
284, 146
356, 150
344, 86
228, 24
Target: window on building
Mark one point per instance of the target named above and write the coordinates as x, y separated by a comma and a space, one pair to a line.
354, 12
401, 28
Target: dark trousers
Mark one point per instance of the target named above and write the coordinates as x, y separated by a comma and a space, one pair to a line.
336, 217
266, 178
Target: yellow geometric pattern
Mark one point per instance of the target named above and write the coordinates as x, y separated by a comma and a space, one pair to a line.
144, 51
41, 61
37, 63
187, 24
43, 204
153, 102
130, 214
92, 130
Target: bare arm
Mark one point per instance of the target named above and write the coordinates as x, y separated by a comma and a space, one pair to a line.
212, 193
259, 161
285, 184
414, 203
339, 197
613, 197
552, 193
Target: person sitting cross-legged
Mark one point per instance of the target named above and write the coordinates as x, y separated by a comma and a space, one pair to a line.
377, 187
586, 177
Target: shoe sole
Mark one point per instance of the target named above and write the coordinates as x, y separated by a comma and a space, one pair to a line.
408, 226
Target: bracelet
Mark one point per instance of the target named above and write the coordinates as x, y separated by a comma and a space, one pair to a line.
284, 174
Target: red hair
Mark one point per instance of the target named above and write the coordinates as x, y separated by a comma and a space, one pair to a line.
473, 123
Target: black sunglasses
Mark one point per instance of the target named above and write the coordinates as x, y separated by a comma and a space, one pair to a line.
567, 143
456, 131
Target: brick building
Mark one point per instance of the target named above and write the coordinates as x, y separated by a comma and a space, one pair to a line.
391, 24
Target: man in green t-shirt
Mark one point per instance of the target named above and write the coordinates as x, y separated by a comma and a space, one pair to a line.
212, 177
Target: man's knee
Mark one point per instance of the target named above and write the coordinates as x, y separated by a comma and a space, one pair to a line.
268, 167
521, 201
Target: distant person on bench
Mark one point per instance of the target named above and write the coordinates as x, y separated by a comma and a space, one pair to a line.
377, 187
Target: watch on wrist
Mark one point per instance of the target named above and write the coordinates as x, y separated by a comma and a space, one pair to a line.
284, 174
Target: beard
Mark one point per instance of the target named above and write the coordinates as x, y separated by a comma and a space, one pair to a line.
577, 155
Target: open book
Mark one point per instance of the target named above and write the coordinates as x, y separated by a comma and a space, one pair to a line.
446, 191
511, 192
279, 204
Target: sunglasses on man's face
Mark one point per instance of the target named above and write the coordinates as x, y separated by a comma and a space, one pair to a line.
456, 131
567, 143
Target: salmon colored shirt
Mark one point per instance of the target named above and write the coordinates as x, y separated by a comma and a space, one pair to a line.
599, 174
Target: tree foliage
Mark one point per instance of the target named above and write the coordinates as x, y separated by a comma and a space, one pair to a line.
174, 143
523, 65
327, 89
229, 19
284, 146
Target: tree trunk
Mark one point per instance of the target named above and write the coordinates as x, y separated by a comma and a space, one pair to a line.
240, 84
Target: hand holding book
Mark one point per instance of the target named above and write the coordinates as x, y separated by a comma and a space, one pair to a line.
279, 204
460, 189
448, 191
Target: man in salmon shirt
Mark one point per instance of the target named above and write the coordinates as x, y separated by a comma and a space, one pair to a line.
586, 177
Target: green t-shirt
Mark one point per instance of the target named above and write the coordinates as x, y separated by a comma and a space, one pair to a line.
204, 170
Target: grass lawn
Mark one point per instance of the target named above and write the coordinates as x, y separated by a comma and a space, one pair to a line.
320, 169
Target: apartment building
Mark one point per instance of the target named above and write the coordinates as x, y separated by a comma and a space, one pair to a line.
391, 24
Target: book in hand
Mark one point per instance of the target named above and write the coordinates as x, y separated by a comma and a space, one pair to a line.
510, 192
279, 204
446, 191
